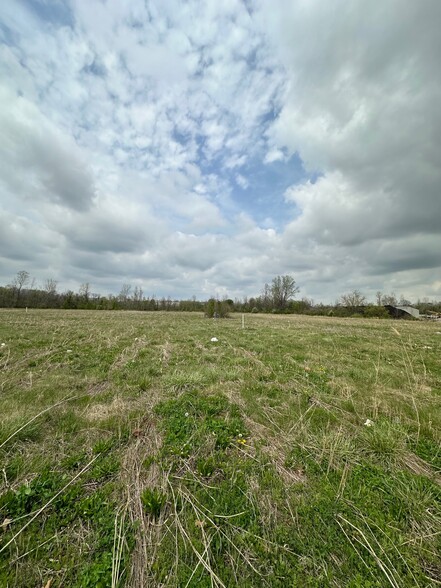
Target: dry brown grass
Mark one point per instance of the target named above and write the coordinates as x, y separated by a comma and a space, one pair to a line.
135, 477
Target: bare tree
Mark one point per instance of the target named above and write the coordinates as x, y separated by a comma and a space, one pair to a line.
50, 286
390, 299
267, 297
138, 294
405, 301
124, 294
20, 280
84, 291
353, 299
283, 288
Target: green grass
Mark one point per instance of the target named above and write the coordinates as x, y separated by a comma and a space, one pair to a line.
136, 452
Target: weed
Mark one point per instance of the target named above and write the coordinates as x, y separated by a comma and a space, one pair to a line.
153, 501
105, 468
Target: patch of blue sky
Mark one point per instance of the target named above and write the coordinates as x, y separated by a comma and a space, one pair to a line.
56, 12
180, 137
95, 68
261, 196
8, 36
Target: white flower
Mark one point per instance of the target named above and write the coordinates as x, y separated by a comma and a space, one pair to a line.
214, 339
368, 423
187, 414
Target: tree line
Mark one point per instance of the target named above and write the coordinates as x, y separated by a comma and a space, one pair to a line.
278, 296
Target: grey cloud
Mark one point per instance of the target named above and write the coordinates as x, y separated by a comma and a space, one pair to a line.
363, 86
37, 161
397, 255
360, 107
23, 240
198, 253
111, 230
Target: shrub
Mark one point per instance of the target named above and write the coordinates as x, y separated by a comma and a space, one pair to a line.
376, 312
217, 309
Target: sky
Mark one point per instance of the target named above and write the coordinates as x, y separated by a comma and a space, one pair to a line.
200, 148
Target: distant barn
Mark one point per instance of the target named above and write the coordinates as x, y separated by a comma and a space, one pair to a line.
402, 311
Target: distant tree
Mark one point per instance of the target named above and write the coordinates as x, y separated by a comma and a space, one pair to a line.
386, 299
210, 308
152, 303
49, 295
283, 288
300, 306
266, 300
20, 280
84, 291
405, 301
69, 299
390, 299
353, 299
50, 286
124, 294
138, 294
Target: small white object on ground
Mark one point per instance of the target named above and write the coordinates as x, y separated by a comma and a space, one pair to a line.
368, 423
214, 339
186, 414
68, 350
3, 345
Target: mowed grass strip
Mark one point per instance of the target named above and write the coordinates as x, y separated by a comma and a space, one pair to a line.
298, 451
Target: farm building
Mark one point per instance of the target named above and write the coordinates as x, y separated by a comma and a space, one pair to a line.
402, 311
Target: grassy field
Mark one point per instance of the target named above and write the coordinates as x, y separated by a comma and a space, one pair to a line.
298, 451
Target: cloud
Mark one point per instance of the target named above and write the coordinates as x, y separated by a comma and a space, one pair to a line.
112, 226
274, 155
198, 148
242, 181
37, 161
357, 105
361, 84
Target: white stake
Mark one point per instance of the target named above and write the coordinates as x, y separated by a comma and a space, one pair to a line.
243, 321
